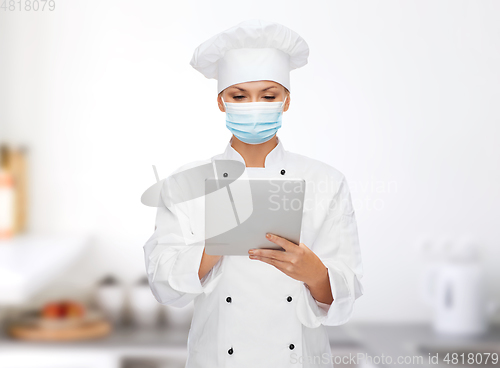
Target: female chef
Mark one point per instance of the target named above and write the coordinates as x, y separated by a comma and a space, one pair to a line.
268, 309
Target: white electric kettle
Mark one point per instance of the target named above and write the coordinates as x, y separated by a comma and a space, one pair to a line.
454, 284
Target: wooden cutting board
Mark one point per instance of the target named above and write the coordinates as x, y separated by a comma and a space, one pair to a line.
87, 330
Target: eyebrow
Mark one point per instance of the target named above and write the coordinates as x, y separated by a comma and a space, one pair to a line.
244, 90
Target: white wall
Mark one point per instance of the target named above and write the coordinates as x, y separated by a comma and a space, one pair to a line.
402, 97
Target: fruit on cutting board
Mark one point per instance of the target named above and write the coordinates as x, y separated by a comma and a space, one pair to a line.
63, 309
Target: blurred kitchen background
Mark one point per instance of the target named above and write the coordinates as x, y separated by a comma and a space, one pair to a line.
402, 97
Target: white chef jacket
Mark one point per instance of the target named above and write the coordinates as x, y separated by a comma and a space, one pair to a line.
247, 313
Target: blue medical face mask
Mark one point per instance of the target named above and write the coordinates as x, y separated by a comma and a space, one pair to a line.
254, 122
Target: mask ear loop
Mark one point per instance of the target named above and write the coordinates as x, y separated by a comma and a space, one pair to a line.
283, 104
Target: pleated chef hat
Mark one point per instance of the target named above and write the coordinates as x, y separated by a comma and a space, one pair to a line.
253, 50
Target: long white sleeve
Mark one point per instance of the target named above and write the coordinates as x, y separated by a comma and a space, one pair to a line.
173, 255
337, 245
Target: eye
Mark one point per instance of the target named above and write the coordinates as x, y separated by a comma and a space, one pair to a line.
269, 97
238, 97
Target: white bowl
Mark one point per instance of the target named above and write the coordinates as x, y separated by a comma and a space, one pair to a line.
111, 299
145, 308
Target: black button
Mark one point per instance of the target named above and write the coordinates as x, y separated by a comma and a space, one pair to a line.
289, 298
292, 346
228, 299
230, 351
282, 171
225, 175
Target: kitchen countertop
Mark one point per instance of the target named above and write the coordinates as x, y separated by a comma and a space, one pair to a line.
403, 340
122, 338
373, 339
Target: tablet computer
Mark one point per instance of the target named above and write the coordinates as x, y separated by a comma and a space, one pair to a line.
239, 213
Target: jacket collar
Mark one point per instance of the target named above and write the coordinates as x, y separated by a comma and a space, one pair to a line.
274, 158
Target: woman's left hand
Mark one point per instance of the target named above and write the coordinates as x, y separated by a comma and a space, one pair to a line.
297, 261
